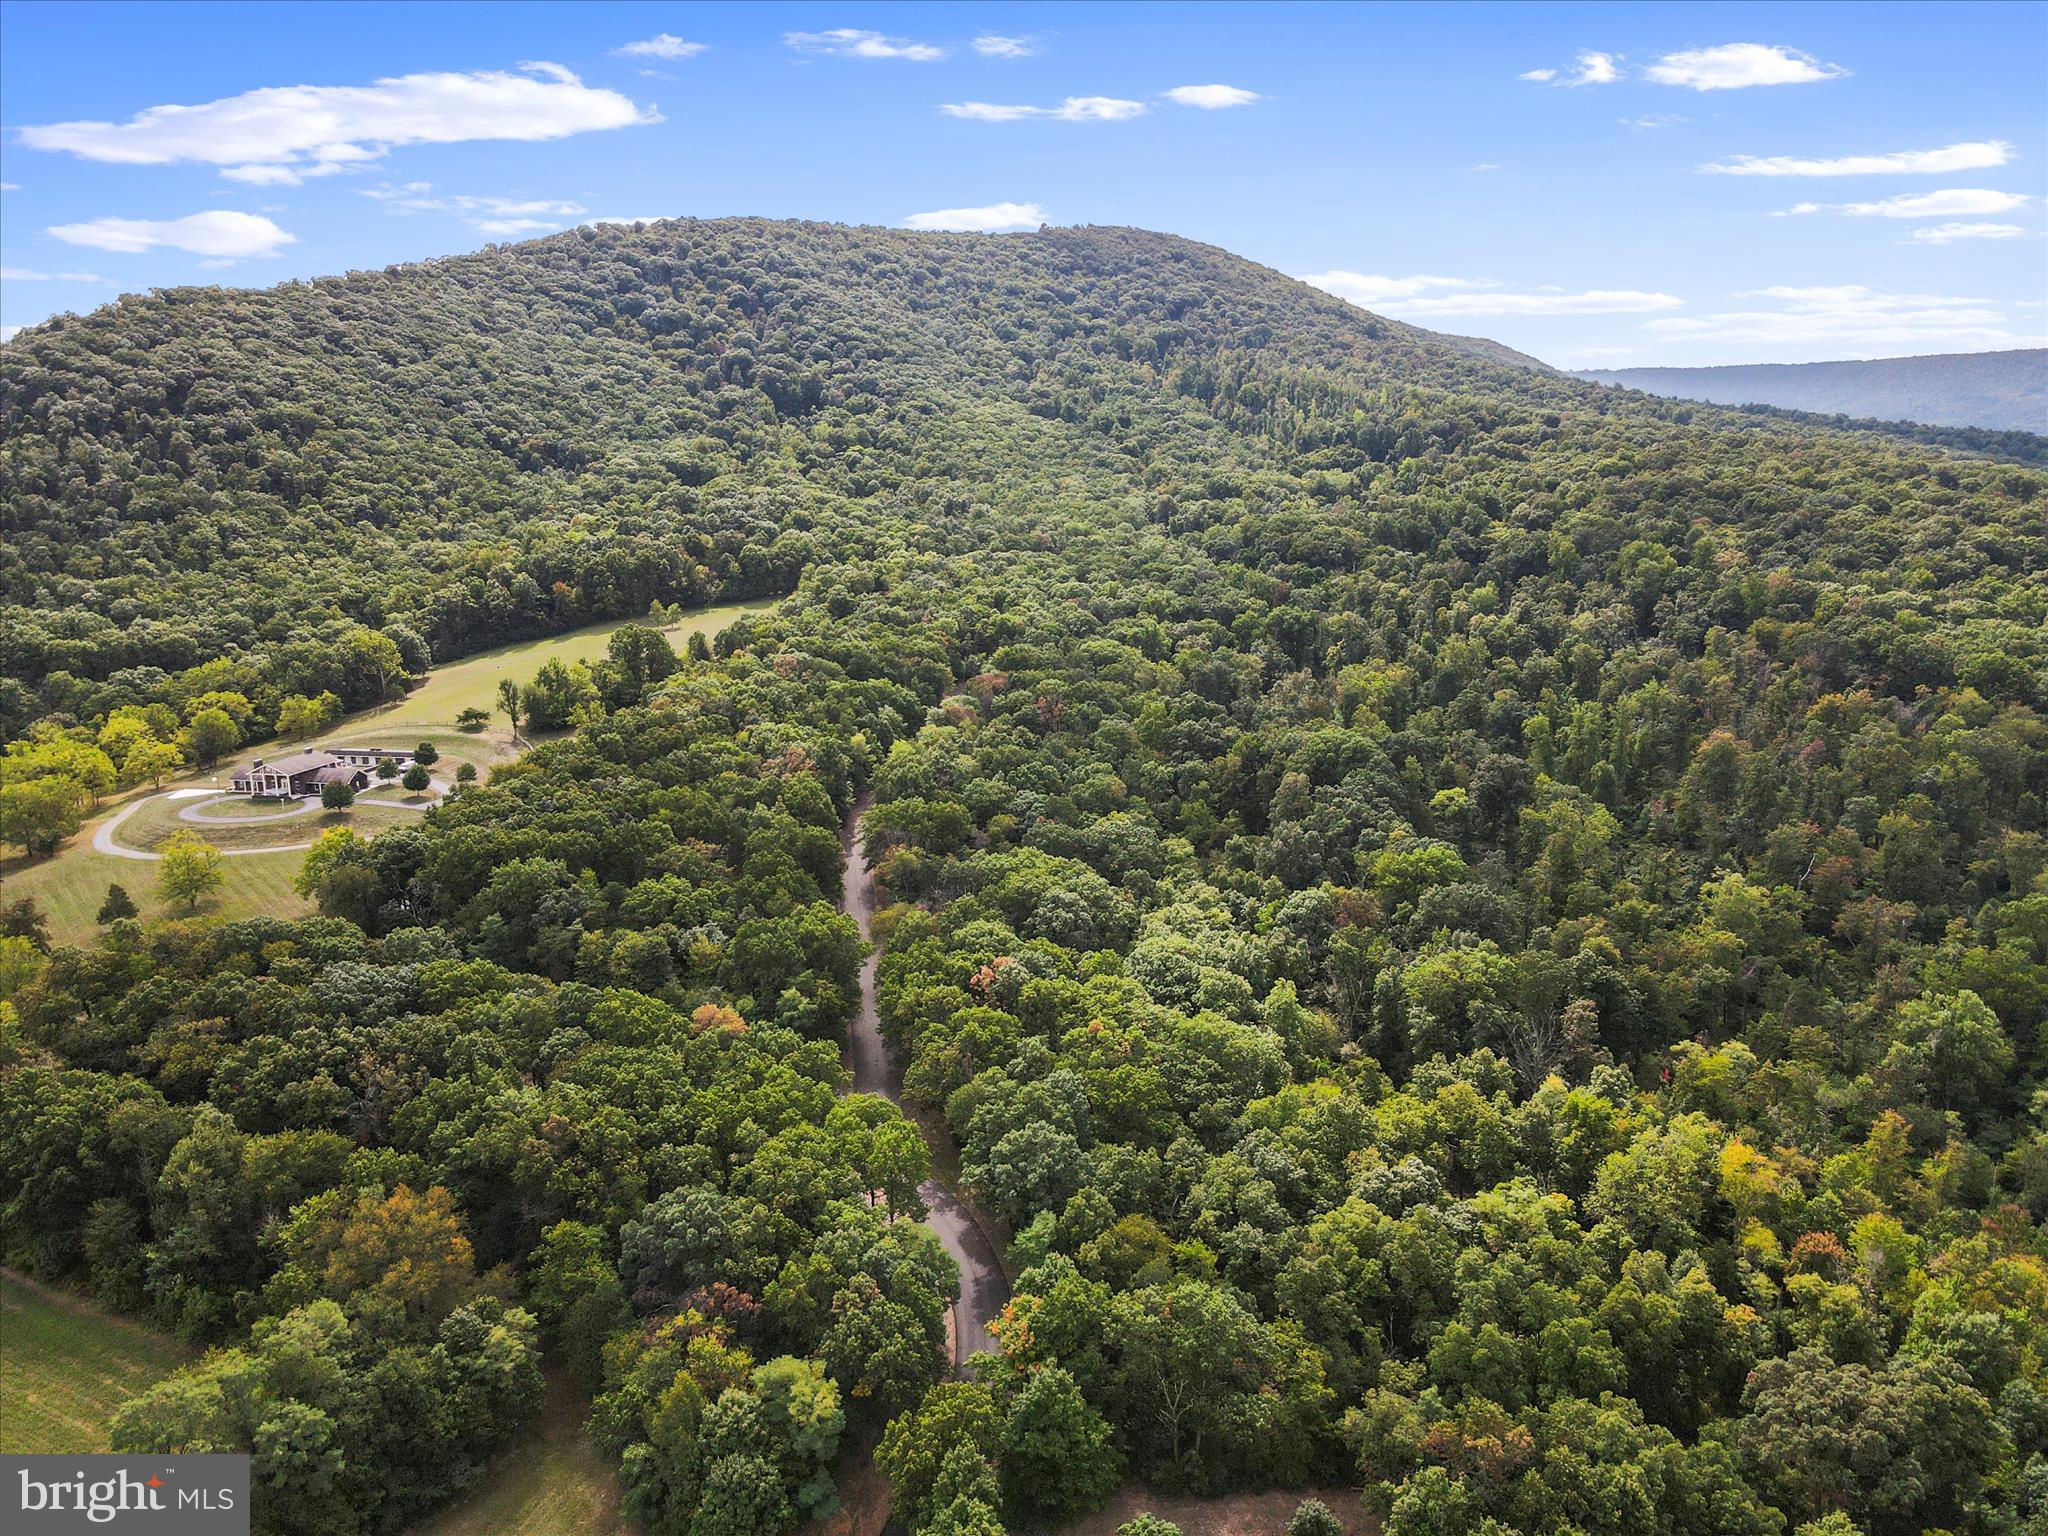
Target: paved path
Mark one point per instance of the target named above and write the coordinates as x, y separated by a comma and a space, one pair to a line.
984, 1291
103, 835
193, 811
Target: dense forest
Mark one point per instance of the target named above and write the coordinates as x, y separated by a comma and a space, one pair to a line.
1480, 938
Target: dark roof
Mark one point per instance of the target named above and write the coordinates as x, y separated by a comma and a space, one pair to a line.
300, 762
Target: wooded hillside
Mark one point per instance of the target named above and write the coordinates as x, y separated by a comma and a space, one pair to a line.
1485, 938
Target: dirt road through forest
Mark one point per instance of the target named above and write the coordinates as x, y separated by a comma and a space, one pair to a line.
983, 1290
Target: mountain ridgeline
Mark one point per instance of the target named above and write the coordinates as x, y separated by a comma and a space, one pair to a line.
499, 445
1480, 938
1994, 391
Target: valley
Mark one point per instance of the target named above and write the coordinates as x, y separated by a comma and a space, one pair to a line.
1993, 391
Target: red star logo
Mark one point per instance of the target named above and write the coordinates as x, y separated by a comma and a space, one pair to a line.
156, 1482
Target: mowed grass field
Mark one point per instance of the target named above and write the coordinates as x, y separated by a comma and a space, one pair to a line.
156, 821
554, 1482
65, 1366
70, 886
472, 683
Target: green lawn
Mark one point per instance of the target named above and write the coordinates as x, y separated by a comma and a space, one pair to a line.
65, 1366
472, 683
70, 886
157, 820
554, 1482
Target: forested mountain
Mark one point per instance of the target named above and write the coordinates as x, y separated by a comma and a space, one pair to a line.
1480, 937
1998, 391
484, 448
489, 447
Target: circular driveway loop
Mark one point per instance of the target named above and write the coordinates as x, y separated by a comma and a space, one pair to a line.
103, 835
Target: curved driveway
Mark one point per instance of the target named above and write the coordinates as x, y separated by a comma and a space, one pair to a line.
103, 834
984, 1291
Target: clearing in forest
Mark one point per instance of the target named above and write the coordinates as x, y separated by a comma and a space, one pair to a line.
65, 1366
70, 886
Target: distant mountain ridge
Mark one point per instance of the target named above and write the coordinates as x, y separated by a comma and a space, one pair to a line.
2003, 391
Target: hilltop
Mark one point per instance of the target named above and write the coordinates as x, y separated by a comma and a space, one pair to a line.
495, 446
498, 445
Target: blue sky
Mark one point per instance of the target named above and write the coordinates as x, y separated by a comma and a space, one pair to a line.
1601, 185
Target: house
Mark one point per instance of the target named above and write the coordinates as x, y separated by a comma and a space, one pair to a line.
303, 773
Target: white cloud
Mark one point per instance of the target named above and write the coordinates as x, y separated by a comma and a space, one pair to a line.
1212, 97
1595, 301
1075, 109
293, 131
1601, 352
1937, 205
10, 186
1736, 66
859, 43
1592, 68
1948, 234
979, 220
1851, 317
1977, 156
488, 215
991, 45
1422, 295
1653, 120
274, 175
219, 233
1951, 202
1370, 288
628, 218
30, 275
328, 164
1487, 165
663, 45
1729, 67
1596, 69
9, 332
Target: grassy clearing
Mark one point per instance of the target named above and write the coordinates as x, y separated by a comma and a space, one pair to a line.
1232, 1514
157, 820
555, 1482
70, 886
472, 683
66, 1366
